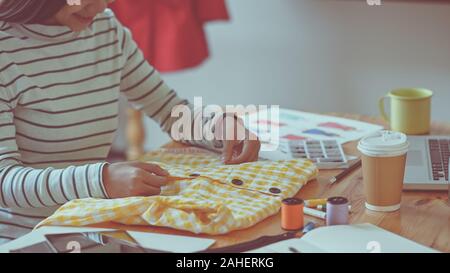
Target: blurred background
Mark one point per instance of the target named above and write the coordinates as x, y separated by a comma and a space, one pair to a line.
319, 55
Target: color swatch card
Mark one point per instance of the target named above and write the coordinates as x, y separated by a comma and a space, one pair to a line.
277, 125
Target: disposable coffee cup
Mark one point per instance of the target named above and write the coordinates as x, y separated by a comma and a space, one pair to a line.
383, 163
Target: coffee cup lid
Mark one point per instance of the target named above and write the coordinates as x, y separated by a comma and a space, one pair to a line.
384, 143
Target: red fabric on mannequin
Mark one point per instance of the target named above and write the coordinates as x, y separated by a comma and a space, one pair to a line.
170, 32
211, 10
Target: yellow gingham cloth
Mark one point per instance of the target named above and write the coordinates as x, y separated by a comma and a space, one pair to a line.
209, 197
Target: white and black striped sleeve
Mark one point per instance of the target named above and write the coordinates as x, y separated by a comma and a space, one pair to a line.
25, 187
146, 91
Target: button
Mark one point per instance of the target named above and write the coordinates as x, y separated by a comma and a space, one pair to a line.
237, 182
275, 190
194, 175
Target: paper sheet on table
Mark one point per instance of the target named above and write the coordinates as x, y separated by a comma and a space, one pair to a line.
170, 243
360, 238
284, 125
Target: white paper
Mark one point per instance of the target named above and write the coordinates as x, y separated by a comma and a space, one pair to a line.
289, 246
170, 243
361, 238
365, 238
299, 125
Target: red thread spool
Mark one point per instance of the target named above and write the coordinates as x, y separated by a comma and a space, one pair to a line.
292, 214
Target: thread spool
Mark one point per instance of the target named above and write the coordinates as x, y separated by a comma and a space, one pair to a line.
337, 211
292, 214
324, 208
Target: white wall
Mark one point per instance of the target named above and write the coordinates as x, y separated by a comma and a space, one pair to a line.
321, 55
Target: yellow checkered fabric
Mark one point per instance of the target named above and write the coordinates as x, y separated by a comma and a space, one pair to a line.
209, 197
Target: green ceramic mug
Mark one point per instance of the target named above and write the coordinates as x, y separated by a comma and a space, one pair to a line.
410, 110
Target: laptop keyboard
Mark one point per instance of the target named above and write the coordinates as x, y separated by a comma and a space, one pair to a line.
439, 155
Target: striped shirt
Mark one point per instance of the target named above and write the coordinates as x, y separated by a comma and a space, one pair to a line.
59, 94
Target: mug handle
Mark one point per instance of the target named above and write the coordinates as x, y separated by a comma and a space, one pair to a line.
382, 109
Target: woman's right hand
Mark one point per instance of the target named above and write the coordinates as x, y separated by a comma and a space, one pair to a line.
128, 179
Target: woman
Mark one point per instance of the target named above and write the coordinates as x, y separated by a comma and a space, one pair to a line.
63, 66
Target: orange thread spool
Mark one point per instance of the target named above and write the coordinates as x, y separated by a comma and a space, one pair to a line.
292, 214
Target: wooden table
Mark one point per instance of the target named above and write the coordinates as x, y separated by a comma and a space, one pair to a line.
424, 216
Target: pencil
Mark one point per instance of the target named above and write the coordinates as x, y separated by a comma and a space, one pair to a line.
346, 172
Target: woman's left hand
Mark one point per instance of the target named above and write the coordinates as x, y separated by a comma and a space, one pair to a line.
243, 147
237, 152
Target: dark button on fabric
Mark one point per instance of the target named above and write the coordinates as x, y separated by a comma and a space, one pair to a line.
275, 190
194, 175
237, 182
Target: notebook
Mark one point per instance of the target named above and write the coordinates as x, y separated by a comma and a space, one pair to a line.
365, 238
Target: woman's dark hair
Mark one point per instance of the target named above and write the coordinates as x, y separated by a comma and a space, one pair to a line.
29, 11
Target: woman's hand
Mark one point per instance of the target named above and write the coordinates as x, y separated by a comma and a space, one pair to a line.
130, 179
237, 152
243, 146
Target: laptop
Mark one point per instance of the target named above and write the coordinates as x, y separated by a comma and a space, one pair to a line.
427, 163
